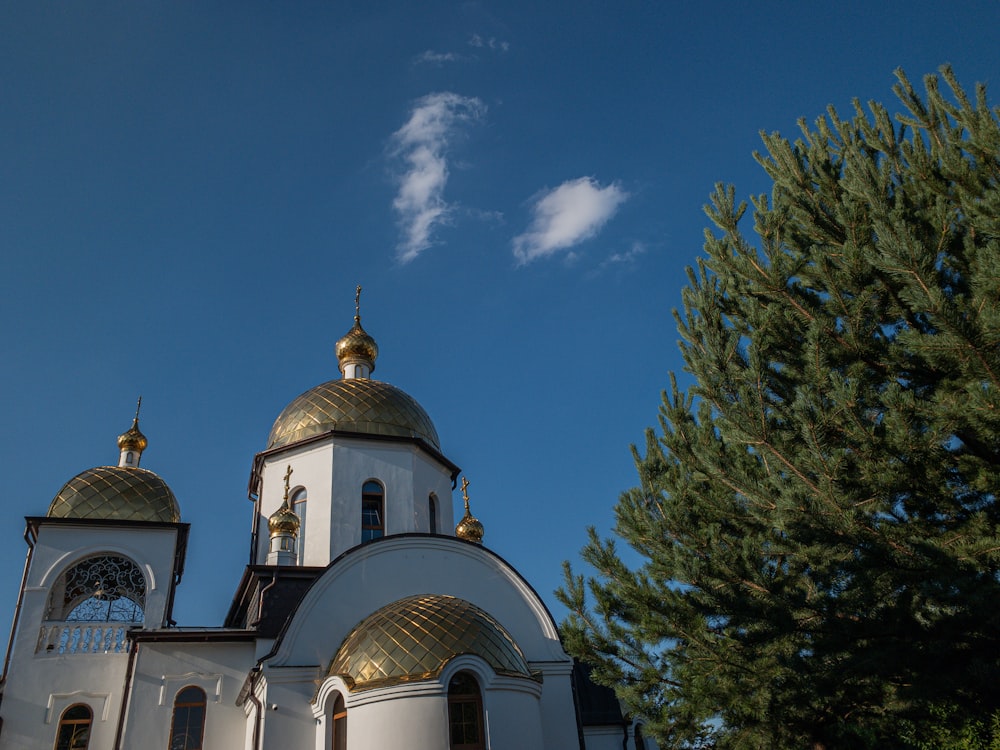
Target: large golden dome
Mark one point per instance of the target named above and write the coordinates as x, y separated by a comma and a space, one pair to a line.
414, 638
121, 493
353, 405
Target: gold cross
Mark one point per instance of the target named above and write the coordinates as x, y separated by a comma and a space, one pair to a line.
288, 476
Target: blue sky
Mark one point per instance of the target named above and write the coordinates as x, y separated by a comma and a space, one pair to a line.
189, 193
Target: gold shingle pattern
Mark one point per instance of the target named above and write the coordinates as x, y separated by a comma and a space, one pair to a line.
355, 404
116, 492
414, 638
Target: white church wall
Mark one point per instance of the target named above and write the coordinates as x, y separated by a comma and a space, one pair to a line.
163, 669
310, 470
43, 687
333, 473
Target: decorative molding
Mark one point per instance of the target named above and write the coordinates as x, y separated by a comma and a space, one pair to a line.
68, 699
210, 683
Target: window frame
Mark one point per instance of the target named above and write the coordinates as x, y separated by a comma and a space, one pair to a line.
338, 722
66, 722
186, 706
459, 695
370, 499
432, 513
298, 500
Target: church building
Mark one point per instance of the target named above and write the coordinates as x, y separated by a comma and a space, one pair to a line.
367, 617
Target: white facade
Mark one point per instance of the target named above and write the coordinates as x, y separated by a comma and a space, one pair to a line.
387, 636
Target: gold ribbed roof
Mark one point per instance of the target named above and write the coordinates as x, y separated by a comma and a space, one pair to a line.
355, 405
120, 493
414, 638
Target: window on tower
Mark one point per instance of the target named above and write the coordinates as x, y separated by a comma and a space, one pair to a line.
104, 588
74, 728
298, 503
432, 513
372, 511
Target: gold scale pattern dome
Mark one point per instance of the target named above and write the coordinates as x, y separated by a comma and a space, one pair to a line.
355, 405
414, 638
116, 493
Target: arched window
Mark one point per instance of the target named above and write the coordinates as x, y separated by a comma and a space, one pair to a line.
74, 728
105, 588
372, 511
432, 512
640, 742
187, 729
465, 713
298, 503
338, 723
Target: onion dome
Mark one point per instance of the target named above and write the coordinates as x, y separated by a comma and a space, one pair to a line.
283, 521
133, 439
469, 528
414, 639
121, 493
352, 405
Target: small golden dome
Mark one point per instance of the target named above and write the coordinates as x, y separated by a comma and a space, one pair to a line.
414, 639
133, 439
122, 493
284, 521
354, 405
469, 528
357, 345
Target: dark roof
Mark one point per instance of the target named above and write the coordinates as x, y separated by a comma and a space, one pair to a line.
267, 595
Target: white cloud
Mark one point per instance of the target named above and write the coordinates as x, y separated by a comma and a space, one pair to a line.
492, 43
437, 58
628, 256
566, 216
422, 144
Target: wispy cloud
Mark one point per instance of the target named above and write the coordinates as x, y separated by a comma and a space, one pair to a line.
492, 43
422, 144
566, 216
430, 57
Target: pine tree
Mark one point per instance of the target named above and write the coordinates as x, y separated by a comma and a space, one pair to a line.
817, 516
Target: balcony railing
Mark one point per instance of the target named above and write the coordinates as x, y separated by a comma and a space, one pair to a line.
84, 637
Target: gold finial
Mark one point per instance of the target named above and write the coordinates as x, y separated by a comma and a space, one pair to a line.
288, 477
357, 303
132, 439
469, 528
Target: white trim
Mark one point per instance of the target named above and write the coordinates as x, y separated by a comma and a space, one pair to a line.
82, 553
68, 699
198, 679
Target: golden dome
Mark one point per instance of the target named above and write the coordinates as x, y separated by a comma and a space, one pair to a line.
133, 439
284, 520
120, 493
414, 638
469, 528
353, 405
357, 345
